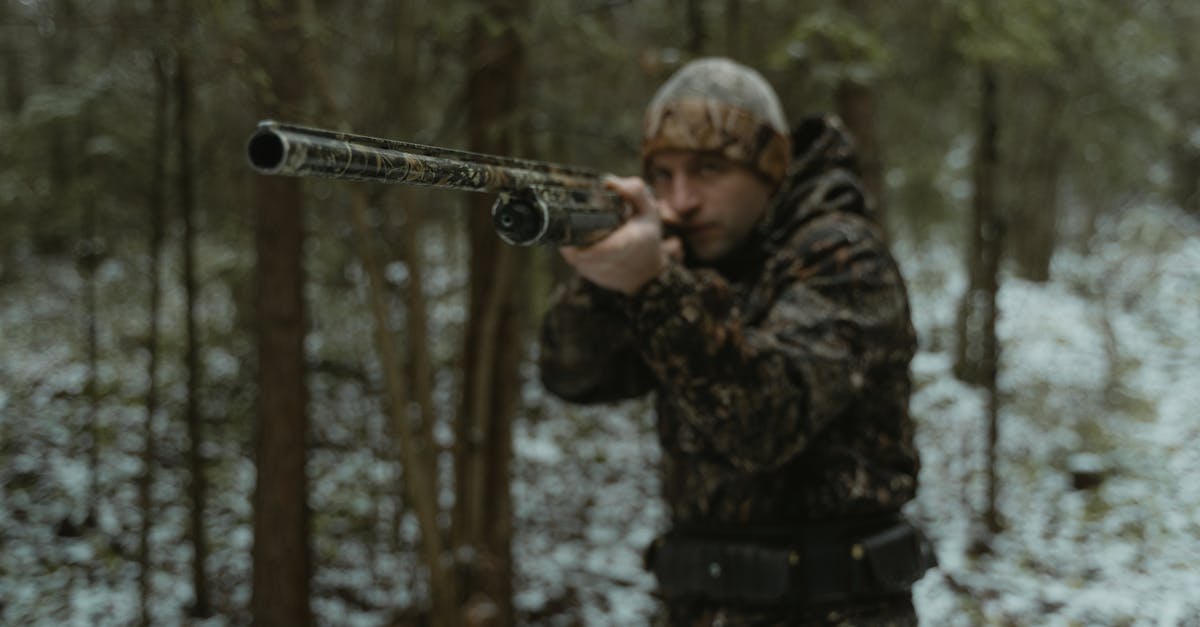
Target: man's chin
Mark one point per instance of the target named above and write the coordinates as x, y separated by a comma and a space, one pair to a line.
706, 252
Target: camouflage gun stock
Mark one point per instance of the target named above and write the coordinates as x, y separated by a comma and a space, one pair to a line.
539, 202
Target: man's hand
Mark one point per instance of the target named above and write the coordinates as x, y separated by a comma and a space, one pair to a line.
635, 253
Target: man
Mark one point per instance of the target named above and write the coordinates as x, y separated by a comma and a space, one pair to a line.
773, 324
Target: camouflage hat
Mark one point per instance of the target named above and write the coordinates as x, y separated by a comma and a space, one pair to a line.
715, 104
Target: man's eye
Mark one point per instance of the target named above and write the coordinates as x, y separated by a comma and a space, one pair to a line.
659, 177
710, 168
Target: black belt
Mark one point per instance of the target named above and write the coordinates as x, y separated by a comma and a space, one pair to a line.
814, 564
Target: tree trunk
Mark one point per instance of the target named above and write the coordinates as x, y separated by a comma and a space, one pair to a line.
420, 484
978, 347
65, 138
281, 555
89, 260
10, 55
420, 360
483, 508
157, 211
1186, 172
281, 518
198, 483
50, 231
974, 310
856, 106
733, 29
697, 31
414, 441
1033, 202
420, 367
1184, 99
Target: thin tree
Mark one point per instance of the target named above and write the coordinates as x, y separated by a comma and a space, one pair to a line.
90, 255
1036, 162
61, 50
978, 348
13, 98
66, 167
198, 482
419, 366
1184, 98
419, 481
733, 29
414, 439
157, 209
483, 509
856, 105
281, 556
407, 374
696, 28
10, 56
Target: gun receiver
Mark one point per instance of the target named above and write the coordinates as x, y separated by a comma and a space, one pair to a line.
539, 203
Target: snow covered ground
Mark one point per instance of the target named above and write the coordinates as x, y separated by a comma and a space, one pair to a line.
1104, 360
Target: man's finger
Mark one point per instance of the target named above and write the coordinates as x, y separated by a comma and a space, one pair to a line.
635, 192
673, 248
570, 254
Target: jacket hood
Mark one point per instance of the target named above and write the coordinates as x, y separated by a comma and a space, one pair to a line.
824, 178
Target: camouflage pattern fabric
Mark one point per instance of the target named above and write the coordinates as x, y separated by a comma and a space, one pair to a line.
709, 126
718, 105
781, 374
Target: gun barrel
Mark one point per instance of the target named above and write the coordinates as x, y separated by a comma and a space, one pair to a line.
299, 151
540, 202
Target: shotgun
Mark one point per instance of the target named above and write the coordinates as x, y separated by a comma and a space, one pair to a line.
539, 202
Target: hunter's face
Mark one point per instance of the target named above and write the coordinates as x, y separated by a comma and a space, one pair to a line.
715, 202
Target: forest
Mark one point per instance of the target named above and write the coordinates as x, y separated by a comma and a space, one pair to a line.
228, 398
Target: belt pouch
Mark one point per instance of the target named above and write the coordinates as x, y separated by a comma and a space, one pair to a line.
722, 571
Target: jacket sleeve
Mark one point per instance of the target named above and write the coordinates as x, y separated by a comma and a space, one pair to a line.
758, 393
586, 353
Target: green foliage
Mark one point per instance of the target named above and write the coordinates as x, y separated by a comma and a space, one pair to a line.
1015, 34
836, 45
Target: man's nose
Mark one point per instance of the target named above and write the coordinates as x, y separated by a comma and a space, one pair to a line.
683, 198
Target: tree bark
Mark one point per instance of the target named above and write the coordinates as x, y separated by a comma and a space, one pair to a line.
733, 29
198, 483
420, 360
281, 518
51, 236
1033, 201
856, 105
1184, 99
281, 555
157, 210
697, 29
14, 84
1186, 172
420, 366
90, 257
483, 508
414, 440
50, 232
420, 484
978, 349
974, 343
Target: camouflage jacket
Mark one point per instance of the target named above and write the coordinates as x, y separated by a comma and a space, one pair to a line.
781, 376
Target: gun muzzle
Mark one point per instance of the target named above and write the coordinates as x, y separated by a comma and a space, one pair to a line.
266, 150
